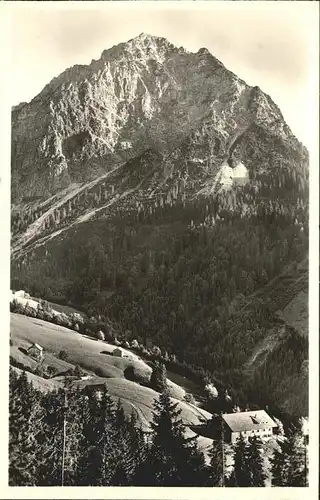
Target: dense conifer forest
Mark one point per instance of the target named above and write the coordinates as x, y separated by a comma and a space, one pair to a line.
75, 438
188, 275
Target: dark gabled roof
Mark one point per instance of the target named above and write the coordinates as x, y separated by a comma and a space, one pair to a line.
37, 346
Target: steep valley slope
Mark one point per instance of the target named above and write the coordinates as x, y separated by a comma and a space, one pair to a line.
157, 189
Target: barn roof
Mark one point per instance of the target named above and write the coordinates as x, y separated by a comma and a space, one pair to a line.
95, 386
37, 346
248, 420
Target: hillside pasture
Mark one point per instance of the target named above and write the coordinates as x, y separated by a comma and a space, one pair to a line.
141, 399
81, 350
19, 356
94, 356
133, 398
39, 383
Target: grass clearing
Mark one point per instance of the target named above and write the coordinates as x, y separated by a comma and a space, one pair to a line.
90, 354
80, 349
39, 383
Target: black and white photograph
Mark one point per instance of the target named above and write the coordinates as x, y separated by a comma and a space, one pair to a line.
160, 214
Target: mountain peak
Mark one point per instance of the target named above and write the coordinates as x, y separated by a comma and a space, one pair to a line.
147, 38
144, 93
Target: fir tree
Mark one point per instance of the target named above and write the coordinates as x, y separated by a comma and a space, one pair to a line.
50, 451
256, 462
171, 453
120, 419
298, 470
120, 477
289, 464
242, 466
216, 474
278, 469
73, 429
98, 445
85, 470
158, 380
248, 463
125, 451
138, 448
24, 424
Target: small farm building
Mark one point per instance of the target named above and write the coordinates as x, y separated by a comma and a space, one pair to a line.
36, 351
96, 389
117, 352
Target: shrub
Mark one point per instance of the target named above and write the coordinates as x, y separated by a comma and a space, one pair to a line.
63, 355
211, 391
137, 375
189, 398
39, 371
78, 372
129, 373
29, 311
100, 372
158, 380
14, 306
47, 316
156, 350
77, 318
100, 335
51, 370
63, 320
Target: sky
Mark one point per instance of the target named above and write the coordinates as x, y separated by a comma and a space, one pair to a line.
269, 44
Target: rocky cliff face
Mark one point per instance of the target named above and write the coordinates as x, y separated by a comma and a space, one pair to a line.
140, 95
145, 95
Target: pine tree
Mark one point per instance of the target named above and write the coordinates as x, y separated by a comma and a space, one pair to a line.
120, 419
298, 470
24, 424
248, 463
242, 466
216, 474
120, 477
98, 444
138, 448
289, 467
278, 469
84, 469
73, 428
50, 450
125, 448
171, 453
158, 380
256, 462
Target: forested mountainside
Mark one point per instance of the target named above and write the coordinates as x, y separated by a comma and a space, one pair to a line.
156, 189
